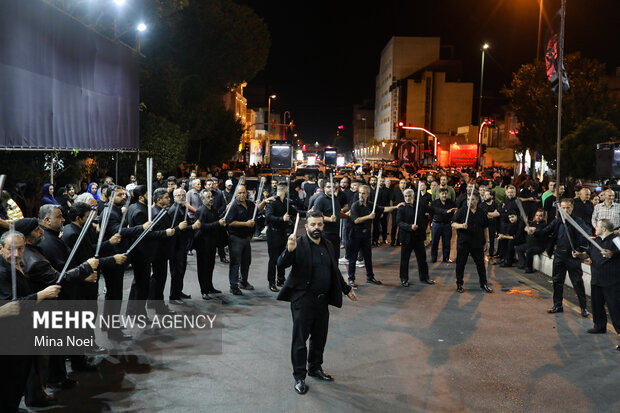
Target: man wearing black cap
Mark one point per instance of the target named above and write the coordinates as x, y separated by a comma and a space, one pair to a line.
314, 283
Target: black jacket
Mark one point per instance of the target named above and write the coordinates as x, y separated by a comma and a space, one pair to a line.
181, 238
54, 249
40, 272
438, 211
556, 230
274, 211
127, 234
533, 240
604, 270
137, 215
86, 250
300, 278
210, 227
24, 290
405, 217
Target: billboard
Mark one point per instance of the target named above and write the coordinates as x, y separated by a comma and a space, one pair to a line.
62, 85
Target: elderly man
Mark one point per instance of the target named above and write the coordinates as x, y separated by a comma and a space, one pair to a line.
608, 209
192, 199
605, 279
583, 207
16, 368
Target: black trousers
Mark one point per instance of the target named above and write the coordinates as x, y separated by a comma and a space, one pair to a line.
609, 295
178, 265
417, 247
443, 231
492, 234
335, 240
13, 381
394, 229
222, 243
113, 290
383, 221
360, 241
310, 320
525, 253
563, 261
276, 242
463, 251
240, 260
139, 291
205, 263
157, 282
509, 250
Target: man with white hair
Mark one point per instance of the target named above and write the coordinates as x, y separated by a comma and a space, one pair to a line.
192, 199
608, 209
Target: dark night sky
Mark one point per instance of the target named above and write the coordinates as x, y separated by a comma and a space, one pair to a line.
325, 54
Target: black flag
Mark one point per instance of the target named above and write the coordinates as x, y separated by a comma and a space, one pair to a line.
552, 55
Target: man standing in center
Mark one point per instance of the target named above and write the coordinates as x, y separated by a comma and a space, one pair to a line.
361, 220
473, 239
240, 230
412, 232
314, 283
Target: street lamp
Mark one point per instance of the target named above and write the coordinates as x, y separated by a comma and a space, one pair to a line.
141, 27
484, 48
269, 112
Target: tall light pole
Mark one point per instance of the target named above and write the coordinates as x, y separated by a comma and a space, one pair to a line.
485, 47
269, 112
540, 13
284, 121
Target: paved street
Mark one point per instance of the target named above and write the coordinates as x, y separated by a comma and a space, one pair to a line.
420, 349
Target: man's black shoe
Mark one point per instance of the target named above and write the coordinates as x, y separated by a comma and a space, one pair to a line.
214, 291
321, 375
597, 331
118, 335
44, 402
373, 280
246, 286
206, 297
486, 288
448, 261
429, 282
301, 387
459, 288
584, 312
185, 296
404, 283
556, 309
224, 261
236, 291
352, 284
273, 288
280, 283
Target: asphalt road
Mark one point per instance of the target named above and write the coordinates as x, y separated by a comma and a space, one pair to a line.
417, 349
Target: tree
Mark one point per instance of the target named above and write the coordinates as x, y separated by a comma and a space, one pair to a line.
579, 147
536, 106
166, 142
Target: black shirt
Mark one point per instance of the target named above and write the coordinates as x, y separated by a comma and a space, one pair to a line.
492, 207
476, 223
397, 196
516, 230
321, 268
360, 210
241, 214
583, 210
324, 204
439, 212
509, 204
274, 211
604, 270
557, 230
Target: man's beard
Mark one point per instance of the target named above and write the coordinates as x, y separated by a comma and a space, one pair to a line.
316, 234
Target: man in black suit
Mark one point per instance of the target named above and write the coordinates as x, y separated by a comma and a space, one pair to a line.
533, 245
411, 235
277, 219
314, 283
205, 242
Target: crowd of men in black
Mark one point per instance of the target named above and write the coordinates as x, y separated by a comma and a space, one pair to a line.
211, 219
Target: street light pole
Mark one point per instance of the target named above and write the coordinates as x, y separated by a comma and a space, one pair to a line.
269, 112
540, 13
484, 49
284, 121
